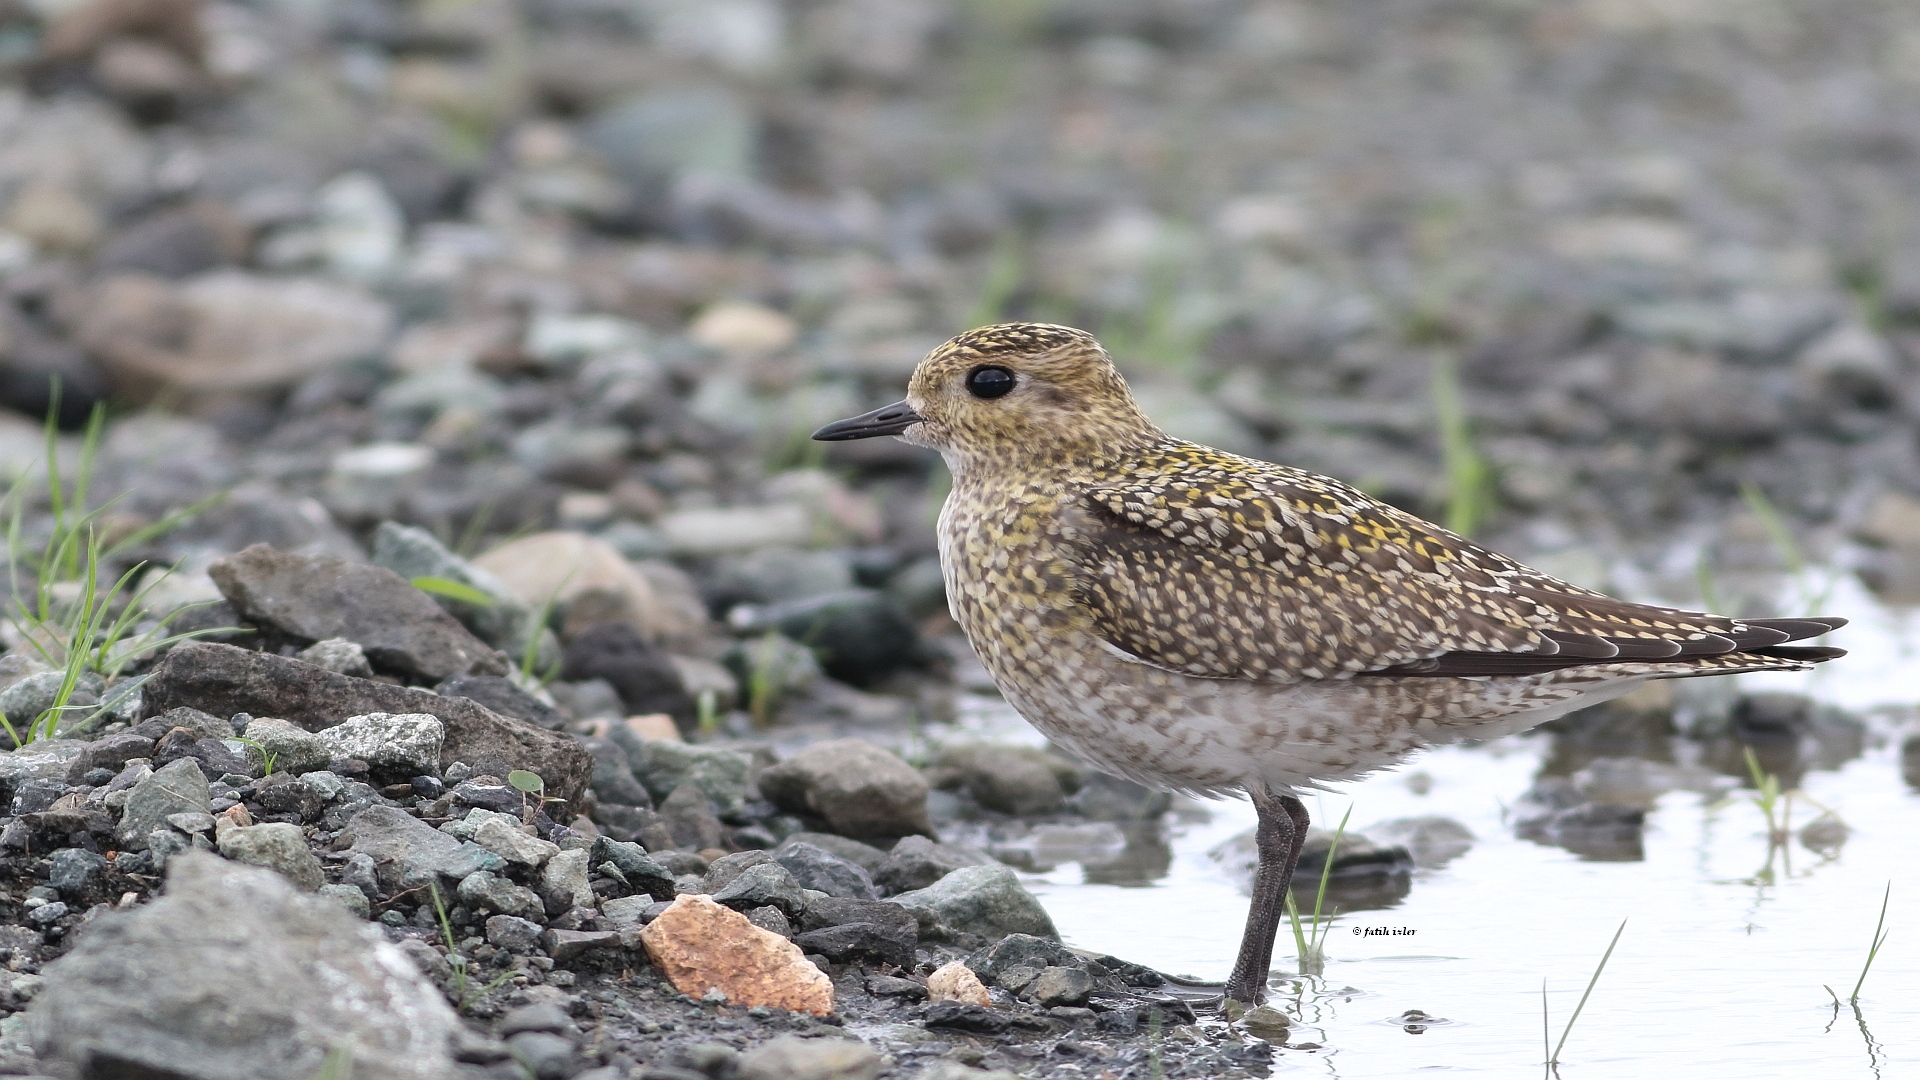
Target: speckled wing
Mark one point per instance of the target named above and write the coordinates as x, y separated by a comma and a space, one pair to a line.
1220, 566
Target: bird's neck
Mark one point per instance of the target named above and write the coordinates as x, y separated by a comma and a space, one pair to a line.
1057, 456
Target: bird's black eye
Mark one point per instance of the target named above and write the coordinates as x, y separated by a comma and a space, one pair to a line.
989, 382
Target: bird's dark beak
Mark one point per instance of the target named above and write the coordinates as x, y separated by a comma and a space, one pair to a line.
887, 420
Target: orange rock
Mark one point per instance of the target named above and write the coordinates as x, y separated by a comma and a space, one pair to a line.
700, 947
956, 981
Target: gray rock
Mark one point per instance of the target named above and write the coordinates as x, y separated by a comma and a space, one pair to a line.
24, 701
227, 680
45, 759
72, 870
413, 552
1022, 780
316, 597
564, 881
490, 892
349, 897
338, 655
849, 930
859, 789
642, 673
109, 752
545, 1055
917, 862
177, 788
505, 697
203, 725
859, 635
512, 933
502, 836
865, 856
404, 744
1110, 798
1060, 986
984, 900
791, 1058
613, 779
664, 764
773, 665
690, 818
721, 872
822, 871
765, 884
215, 981
652, 138
327, 786
411, 854
1434, 841
276, 746
633, 862
276, 846
569, 945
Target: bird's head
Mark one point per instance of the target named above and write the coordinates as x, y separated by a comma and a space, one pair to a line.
1011, 392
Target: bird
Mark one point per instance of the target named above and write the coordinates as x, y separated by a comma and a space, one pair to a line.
1198, 621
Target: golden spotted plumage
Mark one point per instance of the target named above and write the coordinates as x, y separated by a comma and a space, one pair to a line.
1199, 620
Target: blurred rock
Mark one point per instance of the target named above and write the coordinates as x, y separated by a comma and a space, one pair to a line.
133, 996
917, 862
314, 597
1018, 780
210, 338
860, 636
858, 789
277, 846
586, 578
790, 1058
643, 674
1432, 840
822, 871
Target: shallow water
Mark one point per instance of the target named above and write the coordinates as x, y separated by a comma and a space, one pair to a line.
1721, 966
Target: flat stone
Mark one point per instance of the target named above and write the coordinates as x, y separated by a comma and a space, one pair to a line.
964, 1016
1019, 780
701, 946
513, 933
565, 876
338, 654
408, 853
791, 1058
858, 788
225, 680
568, 945
107, 752
506, 840
768, 883
216, 980
1060, 986
43, 759
276, 846
399, 744
917, 862
177, 788
277, 746
868, 942
490, 892
315, 597
984, 900
818, 869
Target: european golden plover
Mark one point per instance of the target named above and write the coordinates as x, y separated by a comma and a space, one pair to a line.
1203, 622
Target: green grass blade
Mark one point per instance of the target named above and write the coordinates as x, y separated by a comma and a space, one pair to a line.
453, 590
1554, 1058
1879, 938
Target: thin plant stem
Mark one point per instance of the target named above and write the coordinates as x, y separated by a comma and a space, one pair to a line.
1554, 1058
1880, 933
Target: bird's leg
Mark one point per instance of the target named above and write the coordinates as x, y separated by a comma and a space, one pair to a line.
1282, 832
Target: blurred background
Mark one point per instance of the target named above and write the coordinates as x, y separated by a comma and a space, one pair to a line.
536, 302
1601, 279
